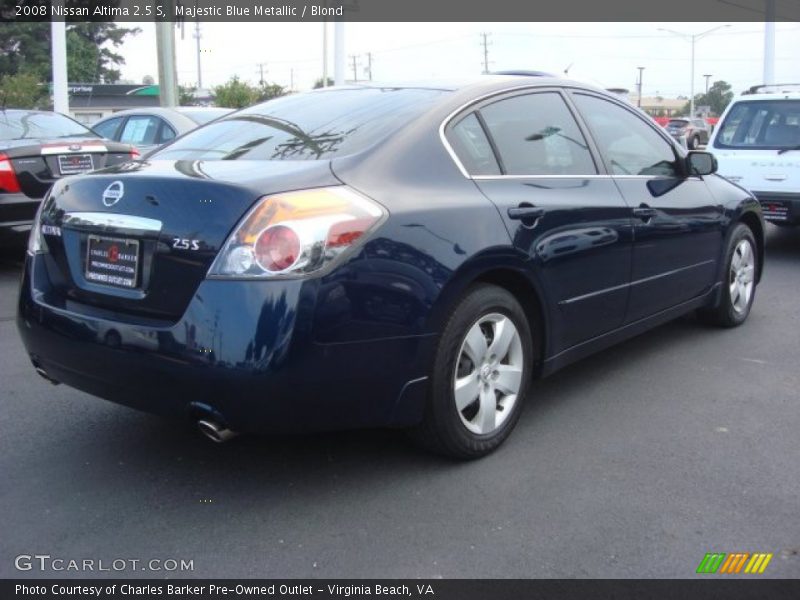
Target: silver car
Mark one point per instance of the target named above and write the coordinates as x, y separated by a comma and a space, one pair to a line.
149, 128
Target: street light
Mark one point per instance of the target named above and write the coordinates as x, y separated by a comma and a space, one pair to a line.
692, 37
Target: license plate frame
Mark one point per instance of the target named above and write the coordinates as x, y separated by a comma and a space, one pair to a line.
85, 163
112, 262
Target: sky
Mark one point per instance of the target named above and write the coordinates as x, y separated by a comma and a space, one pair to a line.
606, 54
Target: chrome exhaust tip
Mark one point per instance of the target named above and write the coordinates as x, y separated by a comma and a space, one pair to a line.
215, 432
42, 373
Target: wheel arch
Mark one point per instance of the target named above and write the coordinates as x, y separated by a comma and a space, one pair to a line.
516, 279
752, 220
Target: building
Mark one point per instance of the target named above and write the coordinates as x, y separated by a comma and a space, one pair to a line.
90, 102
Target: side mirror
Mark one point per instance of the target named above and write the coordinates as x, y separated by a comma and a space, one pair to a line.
700, 163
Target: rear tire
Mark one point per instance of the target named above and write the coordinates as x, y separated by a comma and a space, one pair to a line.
694, 142
480, 376
739, 283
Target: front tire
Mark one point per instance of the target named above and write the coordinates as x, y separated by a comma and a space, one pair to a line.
739, 285
480, 376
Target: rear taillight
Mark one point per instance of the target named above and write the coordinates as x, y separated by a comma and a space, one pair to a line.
8, 178
297, 233
135, 154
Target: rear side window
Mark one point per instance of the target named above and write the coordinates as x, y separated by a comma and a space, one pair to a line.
535, 134
472, 147
108, 128
311, 126
628, 143
766, 124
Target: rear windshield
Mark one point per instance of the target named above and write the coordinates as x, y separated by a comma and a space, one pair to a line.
766, 124
15, 125
305, 126
205, 115
678, 123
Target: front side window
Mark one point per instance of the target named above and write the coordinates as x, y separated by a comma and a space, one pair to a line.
536, 134
765, 124
629, 145
140, 131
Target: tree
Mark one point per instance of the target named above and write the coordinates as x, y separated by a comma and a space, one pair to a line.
21, 91
235, 94
318, 83
718, 97
268, 91
25, 48
186, 95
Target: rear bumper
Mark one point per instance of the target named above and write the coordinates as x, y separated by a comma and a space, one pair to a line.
242, 350
17, 212
780, 207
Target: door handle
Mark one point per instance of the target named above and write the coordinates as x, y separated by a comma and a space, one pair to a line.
645, 213
525, 212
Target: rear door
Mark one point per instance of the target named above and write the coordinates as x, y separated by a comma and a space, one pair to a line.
536, 166
678, 225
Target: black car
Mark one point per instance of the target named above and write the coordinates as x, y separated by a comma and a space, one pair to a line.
36, 149
382, 256
692, 132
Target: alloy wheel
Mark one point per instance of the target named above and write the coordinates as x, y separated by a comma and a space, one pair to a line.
742, 276
488, 373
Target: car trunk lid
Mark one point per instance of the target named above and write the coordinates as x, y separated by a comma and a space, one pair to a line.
140, 238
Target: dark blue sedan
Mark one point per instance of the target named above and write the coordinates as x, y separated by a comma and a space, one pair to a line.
382, 256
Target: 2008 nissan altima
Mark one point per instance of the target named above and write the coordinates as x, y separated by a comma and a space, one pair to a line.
370, 256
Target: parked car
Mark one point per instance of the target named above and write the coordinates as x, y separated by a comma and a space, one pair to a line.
757, 144
691, 132
36, 149
382, 256
149, 128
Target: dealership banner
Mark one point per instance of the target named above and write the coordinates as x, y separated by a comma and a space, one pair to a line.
398, 10
415, 589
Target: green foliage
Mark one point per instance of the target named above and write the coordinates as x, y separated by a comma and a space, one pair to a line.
239, 94
718, 97
186, 95
21, 91
25, 48
318, 83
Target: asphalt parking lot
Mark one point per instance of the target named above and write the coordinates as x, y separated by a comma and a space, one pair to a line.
632, 463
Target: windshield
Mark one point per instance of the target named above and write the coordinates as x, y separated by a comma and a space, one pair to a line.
16, 125
763, 124
307, 126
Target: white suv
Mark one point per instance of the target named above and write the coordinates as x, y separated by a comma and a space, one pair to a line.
757, 145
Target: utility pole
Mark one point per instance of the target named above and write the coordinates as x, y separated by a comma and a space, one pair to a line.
769, 42
261, 72
167, 74
485, 42
58, 34
708, 77
339, 57
324, 53
291, 79
354, 66
199, 70
641, 71
369, 65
